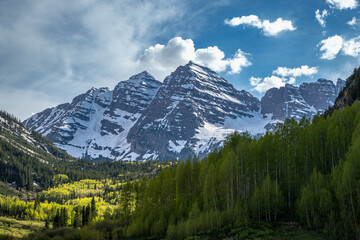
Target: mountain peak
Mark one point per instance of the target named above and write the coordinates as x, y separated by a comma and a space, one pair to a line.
144, 75
190, 113
325, 81
195, 66
340, 81
195, 72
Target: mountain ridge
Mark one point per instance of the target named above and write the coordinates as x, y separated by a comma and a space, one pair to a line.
190, 113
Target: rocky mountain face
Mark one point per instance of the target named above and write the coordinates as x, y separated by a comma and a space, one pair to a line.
306, 100
351, 92
29, 143
190, 113
95, 125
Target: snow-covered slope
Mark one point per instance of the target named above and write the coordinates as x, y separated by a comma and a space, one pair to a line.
12, 132
306, 100
95, 125
190, 113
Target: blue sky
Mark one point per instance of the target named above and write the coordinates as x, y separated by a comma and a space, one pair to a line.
51, 51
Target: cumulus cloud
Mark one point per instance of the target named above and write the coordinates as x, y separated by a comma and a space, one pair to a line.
304, 70
162, 59
261, 85
268, 28
343, 4
47, 46
352, 22
321, 16
280, 77
332, 46
351, 47
238, 62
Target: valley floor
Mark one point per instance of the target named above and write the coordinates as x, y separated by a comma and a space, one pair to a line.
279, 230
13, 228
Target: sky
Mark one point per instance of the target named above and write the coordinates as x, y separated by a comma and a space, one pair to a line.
52, 51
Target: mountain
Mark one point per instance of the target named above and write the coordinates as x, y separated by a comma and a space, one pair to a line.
306, 100
27, 160
190, 113
15, 136
95, 125
351, 92
193, 111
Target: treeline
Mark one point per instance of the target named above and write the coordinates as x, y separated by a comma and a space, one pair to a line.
9, 117
352, 87
308, 172
24, 163
79, 215
23, 169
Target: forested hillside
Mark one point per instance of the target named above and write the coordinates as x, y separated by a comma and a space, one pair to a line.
305, 174
27, 160
41, 185
351, 92
302, 172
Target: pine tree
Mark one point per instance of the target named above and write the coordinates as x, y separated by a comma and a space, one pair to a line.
77, 218
47, 223
37, 202
83, 213
57, 219
93, 208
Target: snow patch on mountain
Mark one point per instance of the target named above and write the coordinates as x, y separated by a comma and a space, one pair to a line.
190, 113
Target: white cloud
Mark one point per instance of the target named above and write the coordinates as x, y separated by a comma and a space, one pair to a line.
351, 47
251, 20
352, 22
304, 70
332, 46
255, 81
321, 16
262, 85
269, 28
211, 57
343, 4
162, 59
48, 46
280, 77
238, 62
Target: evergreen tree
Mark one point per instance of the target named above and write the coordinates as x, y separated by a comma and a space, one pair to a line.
47, 223
57, 219
77, 221
93, 208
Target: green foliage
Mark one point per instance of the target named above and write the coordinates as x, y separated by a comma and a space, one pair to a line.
315, 203
28, 160
11, 228
60, 179
56, 234
267, 202
302, 171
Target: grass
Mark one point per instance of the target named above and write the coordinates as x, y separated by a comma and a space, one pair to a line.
5, 189
261, 231
18, 228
